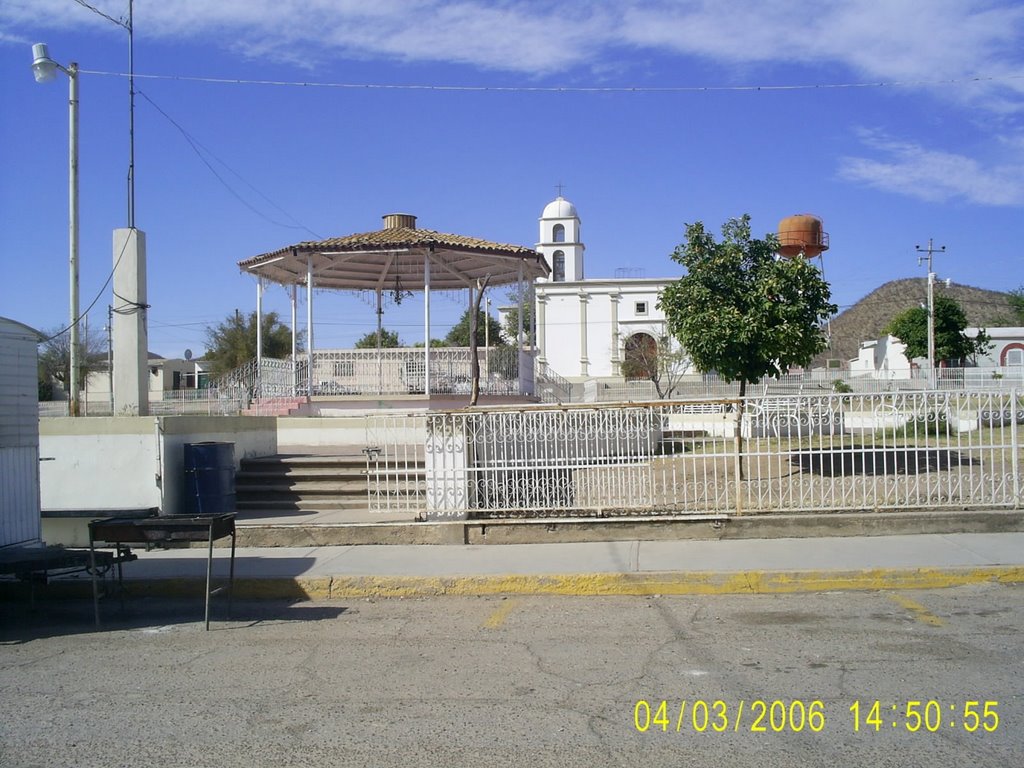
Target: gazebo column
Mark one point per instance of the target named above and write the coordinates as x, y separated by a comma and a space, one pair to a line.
426, 321
380, 330
309, 324
259, 331
295, 338
526, 377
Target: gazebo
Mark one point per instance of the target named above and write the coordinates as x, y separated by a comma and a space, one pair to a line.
398, 258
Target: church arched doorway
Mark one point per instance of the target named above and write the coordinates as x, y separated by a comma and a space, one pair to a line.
640, 360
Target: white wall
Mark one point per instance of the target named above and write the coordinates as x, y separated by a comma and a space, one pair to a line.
135, 462
562, 339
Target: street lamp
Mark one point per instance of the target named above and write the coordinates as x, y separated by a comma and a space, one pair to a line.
45, 69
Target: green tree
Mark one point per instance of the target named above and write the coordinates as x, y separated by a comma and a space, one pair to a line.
742, 310
55, 359
232, 342
951, 344
458, 336
388, 340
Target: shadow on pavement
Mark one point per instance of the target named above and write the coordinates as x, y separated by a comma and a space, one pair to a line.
857, 460
21, 622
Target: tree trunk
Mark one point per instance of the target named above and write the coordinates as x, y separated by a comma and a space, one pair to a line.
474, 362
739, 429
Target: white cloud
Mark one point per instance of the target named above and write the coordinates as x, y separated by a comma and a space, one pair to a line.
935, 176
906, 40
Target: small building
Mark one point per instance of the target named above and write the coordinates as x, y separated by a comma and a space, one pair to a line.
19, 434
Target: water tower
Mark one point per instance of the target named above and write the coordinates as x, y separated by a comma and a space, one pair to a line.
802, 235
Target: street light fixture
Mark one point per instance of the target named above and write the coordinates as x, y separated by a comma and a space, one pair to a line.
45, 69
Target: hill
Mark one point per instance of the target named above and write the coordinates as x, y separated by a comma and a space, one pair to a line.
866, 319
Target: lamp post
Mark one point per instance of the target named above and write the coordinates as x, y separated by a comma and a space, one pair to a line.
45, 69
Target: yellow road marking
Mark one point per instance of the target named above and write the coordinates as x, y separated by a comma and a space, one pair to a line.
497, 618
921, 613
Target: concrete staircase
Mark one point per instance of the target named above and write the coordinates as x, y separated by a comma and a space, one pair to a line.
275, 406
313, 483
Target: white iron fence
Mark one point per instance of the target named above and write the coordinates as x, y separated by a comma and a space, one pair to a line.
917, 450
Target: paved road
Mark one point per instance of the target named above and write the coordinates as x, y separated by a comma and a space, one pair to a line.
538, 681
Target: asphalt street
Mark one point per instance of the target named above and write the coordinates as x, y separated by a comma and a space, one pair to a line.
746, 680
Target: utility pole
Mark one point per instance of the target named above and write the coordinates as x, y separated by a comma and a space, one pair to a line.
930, 251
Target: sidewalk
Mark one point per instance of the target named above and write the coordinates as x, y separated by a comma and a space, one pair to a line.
594, 568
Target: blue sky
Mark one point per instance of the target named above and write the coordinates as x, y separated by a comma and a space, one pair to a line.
937, 153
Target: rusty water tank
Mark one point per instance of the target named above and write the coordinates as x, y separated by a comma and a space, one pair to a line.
802, 234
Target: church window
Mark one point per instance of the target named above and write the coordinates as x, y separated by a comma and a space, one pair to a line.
558, 266
558, 234
640, 308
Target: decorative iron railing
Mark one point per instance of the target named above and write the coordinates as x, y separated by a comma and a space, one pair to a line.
905, 450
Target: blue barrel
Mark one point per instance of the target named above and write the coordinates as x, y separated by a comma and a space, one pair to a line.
209, 478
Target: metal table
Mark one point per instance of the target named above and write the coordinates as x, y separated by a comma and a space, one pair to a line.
166, 530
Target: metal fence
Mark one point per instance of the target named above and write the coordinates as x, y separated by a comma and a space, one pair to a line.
906, 450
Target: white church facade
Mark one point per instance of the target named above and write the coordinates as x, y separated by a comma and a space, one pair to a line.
593, 328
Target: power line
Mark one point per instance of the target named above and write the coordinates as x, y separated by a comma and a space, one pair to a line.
199, 148
565, 88
98, 12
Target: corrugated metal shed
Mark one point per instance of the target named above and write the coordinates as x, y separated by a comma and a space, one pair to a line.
19, 434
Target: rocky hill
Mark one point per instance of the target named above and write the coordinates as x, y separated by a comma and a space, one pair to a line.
867, 318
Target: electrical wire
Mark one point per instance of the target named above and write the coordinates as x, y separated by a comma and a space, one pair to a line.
199, 149
564, 88
99, 293
98, 12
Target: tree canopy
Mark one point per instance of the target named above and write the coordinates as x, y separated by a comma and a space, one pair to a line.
232, 342
911, 328
458, 336
388, 340
741, 310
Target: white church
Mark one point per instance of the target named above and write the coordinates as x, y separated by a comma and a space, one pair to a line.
593, 328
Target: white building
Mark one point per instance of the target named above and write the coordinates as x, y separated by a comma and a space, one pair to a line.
588, 328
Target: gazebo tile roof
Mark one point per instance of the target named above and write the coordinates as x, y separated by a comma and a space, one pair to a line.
364, 260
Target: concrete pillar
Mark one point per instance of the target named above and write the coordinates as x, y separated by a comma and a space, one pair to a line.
129, 335
584, 360
615, 297
542, 330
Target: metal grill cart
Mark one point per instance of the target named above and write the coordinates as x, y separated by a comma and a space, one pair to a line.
161, 531
37, 565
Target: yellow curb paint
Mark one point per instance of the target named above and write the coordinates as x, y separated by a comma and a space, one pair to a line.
921, 613
497, 618
595, 584
750, 583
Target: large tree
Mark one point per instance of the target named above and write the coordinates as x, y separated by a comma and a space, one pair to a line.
951, 344
232, 342
741, 309
388, 340
459, 335
55, 359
